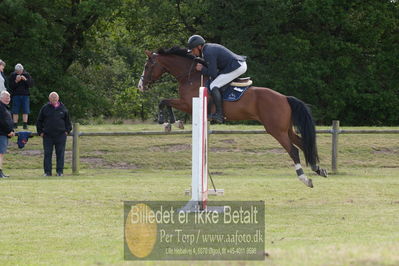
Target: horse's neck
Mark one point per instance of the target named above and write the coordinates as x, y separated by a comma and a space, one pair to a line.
184, 71
179, 67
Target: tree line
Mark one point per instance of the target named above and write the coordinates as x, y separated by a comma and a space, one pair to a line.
339, 56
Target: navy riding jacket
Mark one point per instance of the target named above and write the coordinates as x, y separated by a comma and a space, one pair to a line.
220, 60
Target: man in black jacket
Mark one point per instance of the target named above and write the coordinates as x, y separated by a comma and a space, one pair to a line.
6, 128
53, 124
20, 81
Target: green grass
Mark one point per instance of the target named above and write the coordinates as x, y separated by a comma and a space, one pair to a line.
351, 218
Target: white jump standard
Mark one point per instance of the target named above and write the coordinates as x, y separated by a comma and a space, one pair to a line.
199, 175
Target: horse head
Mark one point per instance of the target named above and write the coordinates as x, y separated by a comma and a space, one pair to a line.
153, 70
176, 61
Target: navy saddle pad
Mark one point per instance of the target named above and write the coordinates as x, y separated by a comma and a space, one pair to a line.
231, 93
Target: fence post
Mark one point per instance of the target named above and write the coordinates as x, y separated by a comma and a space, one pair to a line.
334, 155
75, 149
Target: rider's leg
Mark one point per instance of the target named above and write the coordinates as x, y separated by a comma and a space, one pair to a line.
217, 99
226, 78
218, 83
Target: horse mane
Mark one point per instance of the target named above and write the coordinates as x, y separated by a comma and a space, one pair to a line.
176, 50
183, 52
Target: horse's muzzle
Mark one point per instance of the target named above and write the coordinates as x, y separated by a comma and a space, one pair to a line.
140, 86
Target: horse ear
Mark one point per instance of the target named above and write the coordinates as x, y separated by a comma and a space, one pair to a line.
148, 53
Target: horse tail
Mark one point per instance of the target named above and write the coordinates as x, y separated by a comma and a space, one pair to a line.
303, 121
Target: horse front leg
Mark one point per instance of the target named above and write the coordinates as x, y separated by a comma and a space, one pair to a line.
172, 118
178, 104
161, 114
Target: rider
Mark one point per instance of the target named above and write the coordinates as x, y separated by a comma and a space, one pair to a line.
223, 66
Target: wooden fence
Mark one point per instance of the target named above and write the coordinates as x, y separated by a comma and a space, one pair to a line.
335, 131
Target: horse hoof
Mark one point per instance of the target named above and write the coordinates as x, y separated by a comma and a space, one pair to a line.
322, 172
168, 127
180, 124
307, 181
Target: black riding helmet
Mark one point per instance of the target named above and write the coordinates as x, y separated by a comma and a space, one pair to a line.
194, 41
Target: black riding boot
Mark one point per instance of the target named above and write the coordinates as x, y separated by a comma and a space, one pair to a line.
217, 99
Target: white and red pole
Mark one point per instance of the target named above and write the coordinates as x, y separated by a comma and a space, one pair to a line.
199, 186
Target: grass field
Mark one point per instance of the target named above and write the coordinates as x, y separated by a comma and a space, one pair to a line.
351, 218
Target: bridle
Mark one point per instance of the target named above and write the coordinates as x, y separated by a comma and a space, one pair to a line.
150, 81
155, 63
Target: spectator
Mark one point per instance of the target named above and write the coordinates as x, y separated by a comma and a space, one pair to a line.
3, 80
53, 125
20, 82
6, 127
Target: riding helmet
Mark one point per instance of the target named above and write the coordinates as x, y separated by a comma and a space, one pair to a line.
194, 41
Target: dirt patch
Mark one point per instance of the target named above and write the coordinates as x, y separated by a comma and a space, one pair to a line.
171, 148
31, 152
99, 152
223, 149
155, 149
97, 162
276, 151
216, 173
122, 165
229, 141
384, 150
226, 149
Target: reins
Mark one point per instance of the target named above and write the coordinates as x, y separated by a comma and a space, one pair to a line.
182, 75
187, 73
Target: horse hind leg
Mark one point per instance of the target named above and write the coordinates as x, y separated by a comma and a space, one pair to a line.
172, 118
285, 141
294, 154
298, 142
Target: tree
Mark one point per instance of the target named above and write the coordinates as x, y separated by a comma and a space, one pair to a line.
47, 37
340, 56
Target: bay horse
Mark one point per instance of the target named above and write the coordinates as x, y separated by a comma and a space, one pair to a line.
278, 113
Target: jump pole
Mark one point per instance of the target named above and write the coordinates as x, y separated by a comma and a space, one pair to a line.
199, 172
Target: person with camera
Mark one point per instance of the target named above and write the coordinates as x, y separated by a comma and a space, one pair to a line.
20, 81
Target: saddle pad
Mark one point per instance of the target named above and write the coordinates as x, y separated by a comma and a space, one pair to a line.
230, 93
233, 93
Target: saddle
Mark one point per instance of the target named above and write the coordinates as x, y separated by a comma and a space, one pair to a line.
233, 91
241, 82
